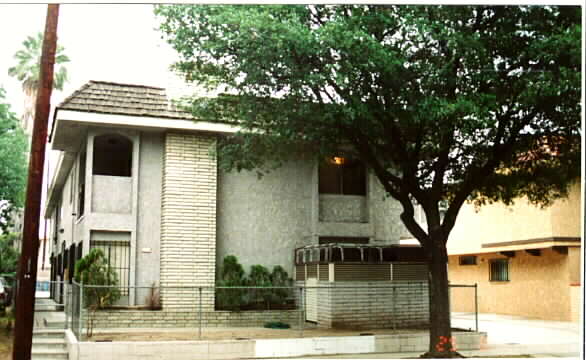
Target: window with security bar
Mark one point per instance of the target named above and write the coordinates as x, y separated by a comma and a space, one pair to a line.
499, 270
116, 249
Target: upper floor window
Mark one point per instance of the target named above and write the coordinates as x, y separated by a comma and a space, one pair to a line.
112, 155
342, 176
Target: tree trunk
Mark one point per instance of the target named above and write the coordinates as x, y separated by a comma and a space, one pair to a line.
441, 342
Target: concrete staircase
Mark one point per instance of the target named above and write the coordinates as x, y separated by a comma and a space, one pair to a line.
47, 304
49, 314
49, 344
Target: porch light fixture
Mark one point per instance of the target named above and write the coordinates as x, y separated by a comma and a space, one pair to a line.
338, 160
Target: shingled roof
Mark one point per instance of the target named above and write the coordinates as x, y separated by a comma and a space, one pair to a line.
123, 99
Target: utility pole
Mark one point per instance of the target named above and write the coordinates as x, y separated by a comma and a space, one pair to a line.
27, 266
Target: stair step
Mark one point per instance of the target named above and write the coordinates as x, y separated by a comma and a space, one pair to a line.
43, 352
48, 339
49, 344
54, 324
49, 356
48, 334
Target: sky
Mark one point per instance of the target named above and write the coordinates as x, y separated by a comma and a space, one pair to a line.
108, 42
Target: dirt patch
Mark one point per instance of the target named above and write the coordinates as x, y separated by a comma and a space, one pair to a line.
237, 333
5, 345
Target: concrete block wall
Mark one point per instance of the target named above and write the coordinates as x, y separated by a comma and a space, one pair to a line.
188, 219
108, 319
373, 304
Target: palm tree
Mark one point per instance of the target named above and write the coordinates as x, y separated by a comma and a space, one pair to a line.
27, 71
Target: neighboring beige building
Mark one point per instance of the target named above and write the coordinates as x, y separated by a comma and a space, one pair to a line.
526, 260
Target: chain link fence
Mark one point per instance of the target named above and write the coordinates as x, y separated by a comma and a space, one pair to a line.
401, 304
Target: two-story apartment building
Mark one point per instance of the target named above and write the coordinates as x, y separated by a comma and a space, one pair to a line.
139, 178
525, 259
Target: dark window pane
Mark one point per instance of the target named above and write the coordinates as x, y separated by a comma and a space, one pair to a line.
353, 178
499, 270
372, 255
329, 178
346, 177
352, 254
336, 254
468, 260
112, 155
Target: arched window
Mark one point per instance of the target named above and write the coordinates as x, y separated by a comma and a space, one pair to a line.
112, 155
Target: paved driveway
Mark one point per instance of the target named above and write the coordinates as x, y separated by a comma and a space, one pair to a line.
507, 336
525, 335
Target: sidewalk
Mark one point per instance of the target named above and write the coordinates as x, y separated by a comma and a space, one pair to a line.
507, 336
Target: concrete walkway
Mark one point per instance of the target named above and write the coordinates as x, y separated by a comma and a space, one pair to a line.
508, 336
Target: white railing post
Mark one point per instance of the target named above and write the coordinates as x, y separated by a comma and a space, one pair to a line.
80, 311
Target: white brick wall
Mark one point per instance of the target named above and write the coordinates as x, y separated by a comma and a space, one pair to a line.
374, 304
188, 224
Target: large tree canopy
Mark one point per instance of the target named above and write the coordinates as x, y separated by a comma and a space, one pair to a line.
443, 103
13, 163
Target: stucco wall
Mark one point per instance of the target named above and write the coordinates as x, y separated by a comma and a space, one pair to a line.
498, 223
111, 194
521, 221
539, 286
574, 265
384, 213
67, 208
565, 214
577, 305
148, 229
261, 221
71, 225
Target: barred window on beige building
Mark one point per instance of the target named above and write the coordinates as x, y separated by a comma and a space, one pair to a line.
499, 270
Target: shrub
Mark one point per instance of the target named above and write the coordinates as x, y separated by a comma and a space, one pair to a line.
231, 274
261, 277
93, 269
280, 278
153, 299
8, 255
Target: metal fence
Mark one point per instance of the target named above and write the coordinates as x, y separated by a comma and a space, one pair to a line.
374, 305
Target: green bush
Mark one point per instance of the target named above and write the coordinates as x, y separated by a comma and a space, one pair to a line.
231, 274
93, 269
280, 278
260, 277
8, 255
